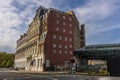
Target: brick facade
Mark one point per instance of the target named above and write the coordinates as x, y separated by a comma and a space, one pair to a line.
51, 39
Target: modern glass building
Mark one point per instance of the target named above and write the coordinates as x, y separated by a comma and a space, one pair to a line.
108, 52
102, 51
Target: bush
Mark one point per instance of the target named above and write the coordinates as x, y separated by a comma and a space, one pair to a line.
6, 60
3, 64
9, 63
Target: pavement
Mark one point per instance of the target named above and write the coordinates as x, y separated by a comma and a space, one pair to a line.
6, 74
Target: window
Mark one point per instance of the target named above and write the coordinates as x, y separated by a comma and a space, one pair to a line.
66, 63
82, 43
54, 36
60, 38
54, 51
57, 21
54, 45
63, 23
60, 46
63, 17
40, 62
65, 52
70, 52
37, 22
58, 15
70, 25
81, 33
64, 30
60, 52
65, 46
66, 38
70, 46
44, 35
42, 48
70, 32
82, 37
40, 37
47, 63
70, 39
57, 29
70, 18
45, 27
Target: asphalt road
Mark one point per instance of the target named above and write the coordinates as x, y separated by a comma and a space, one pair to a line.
6, 74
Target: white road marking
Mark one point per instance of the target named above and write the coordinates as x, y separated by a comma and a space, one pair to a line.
52, 78
23, 77
30, 77
15, 78
43, 77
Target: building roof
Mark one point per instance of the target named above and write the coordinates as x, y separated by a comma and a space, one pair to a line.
101, 47
103, 51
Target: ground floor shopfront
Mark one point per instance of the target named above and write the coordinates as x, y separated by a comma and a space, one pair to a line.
41, 63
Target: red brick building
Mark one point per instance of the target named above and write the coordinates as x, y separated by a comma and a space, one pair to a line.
52, 37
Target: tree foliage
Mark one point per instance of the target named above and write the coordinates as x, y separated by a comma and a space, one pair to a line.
6, 60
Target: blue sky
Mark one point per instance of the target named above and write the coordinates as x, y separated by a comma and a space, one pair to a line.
102, 19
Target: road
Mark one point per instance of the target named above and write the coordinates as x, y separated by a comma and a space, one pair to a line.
6, 74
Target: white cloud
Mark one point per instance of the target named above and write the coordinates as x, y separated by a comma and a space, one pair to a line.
15, 20
10, 21
95, 15
96, 10
15, 17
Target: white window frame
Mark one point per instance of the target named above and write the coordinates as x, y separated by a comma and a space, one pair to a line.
71, 52
65, 46
60, 37
66, 63
64, 30
60, 46
63, 23
60, 52
54, 36
70, 39
70, 25
54, 45
47, 63
63, 17
65, 52
66, 39
70, 31
70, 45
57, 29
70, 18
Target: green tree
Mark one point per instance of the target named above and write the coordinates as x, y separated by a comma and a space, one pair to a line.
6, 59
3, 64
9, 63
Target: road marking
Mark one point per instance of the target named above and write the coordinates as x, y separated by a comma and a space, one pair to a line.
17, 78
42, 76
23, 77
30, 77
51, 78
34, 75
8, 78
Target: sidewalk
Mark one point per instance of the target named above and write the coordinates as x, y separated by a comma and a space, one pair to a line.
52, 73
46, 72
61, 73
